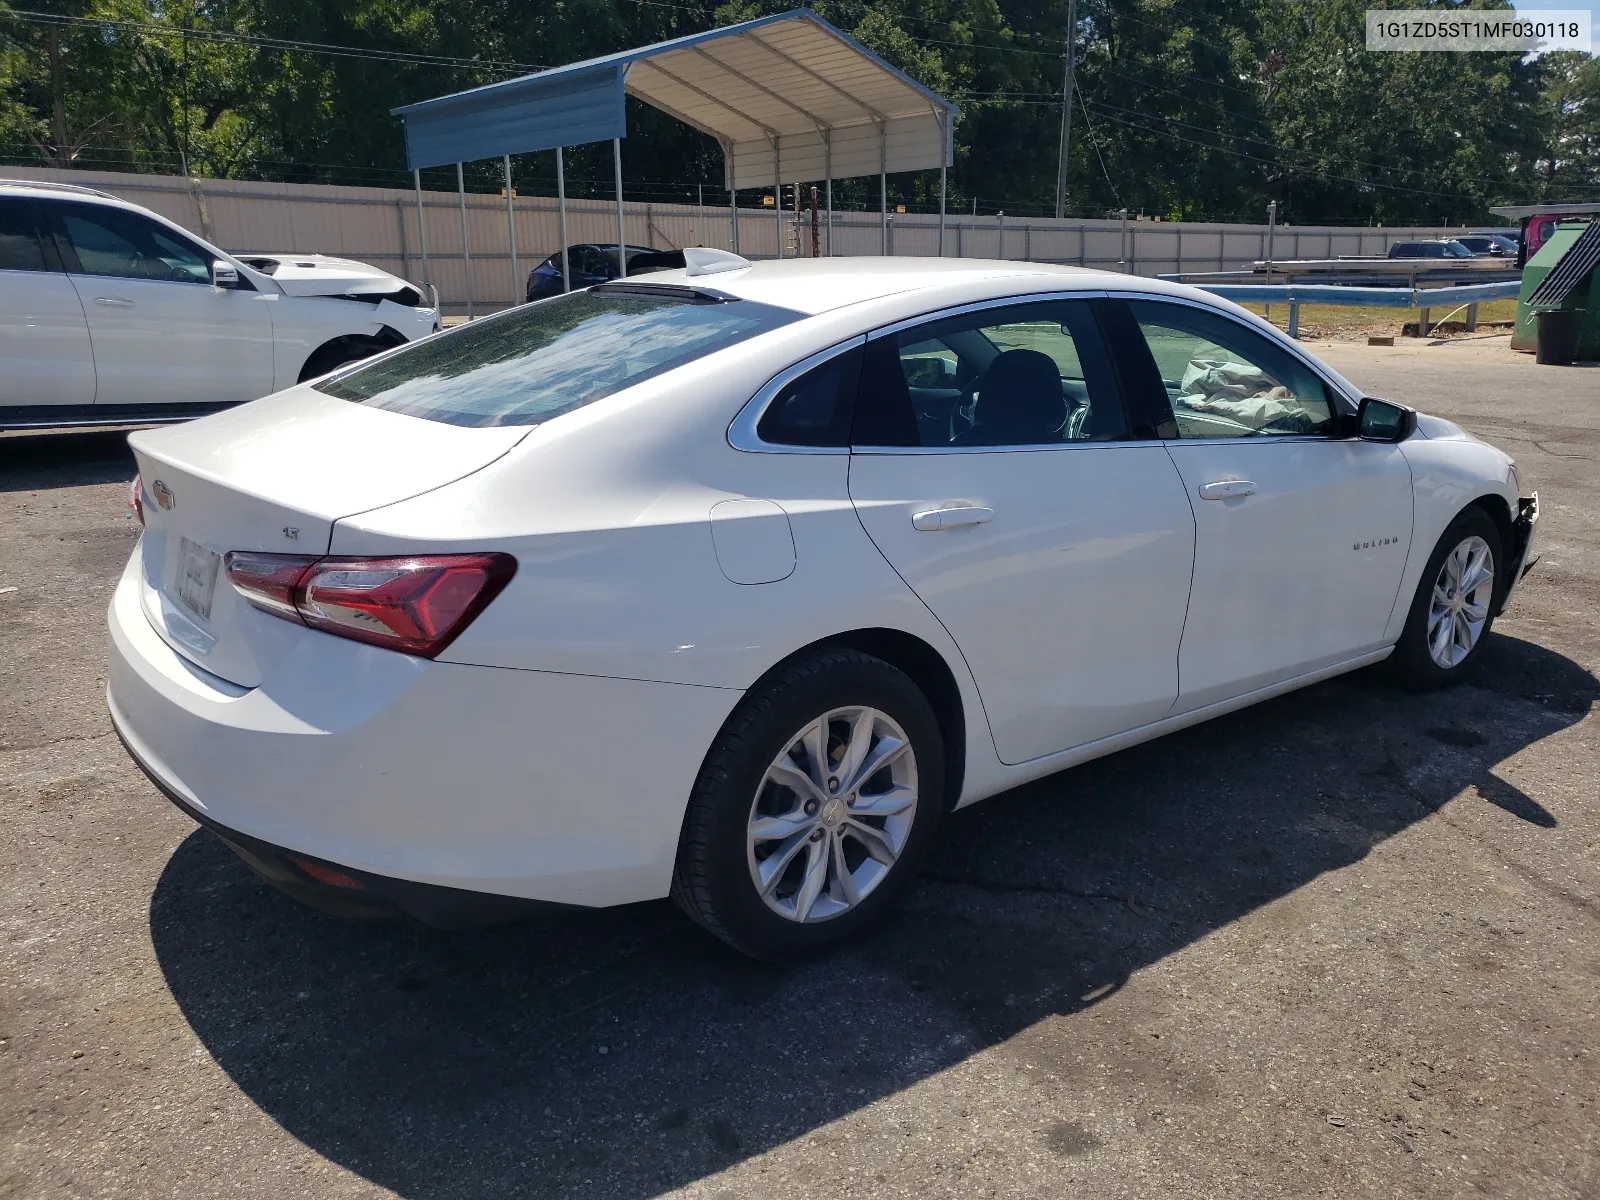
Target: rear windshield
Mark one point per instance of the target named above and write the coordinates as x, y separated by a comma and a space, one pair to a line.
538, 361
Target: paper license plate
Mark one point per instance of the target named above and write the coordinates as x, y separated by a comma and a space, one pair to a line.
197, 577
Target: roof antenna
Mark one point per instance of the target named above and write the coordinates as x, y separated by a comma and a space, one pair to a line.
703, 260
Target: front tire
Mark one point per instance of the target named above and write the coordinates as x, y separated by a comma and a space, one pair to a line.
1453, 610
814, 807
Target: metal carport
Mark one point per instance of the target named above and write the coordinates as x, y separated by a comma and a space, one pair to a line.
788, 97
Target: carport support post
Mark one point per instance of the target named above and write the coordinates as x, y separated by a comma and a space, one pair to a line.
466, 251
733, 197
883, 182
622, 240
422, 227
561, 209
777, 192
827, 170
944, 144
511, 233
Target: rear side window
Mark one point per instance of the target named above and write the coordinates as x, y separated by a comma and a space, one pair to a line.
536, 362
20, 248
816, 408
1029, 374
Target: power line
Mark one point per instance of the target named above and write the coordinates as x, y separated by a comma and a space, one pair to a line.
1095, 142
1287, 166
229, 37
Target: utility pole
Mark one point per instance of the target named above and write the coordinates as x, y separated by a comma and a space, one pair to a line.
1066, 109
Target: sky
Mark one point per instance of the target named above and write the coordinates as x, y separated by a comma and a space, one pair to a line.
1592, 5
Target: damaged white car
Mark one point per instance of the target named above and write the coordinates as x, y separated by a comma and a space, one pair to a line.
110, 313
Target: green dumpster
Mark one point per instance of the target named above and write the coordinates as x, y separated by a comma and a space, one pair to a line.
1565, 274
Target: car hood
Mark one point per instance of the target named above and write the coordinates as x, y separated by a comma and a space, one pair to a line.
322, 274
1437, 429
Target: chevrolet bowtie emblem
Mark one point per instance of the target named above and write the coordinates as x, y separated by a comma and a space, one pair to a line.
163, 494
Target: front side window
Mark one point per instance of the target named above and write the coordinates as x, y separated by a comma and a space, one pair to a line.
1030, 374
113, 241
20, 247
1224, 380
535, 362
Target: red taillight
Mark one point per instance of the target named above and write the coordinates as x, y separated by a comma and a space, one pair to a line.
415, 605
268, 580
136, 498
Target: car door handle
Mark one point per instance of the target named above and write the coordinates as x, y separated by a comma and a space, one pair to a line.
113, 301
1227, 489
951, 518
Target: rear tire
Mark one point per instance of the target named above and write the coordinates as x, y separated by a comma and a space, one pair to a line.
785, 852
1453, 609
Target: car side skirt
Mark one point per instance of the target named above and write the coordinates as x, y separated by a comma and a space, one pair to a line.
1051, 763
81, 416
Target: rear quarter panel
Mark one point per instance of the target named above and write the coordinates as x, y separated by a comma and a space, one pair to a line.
608, 512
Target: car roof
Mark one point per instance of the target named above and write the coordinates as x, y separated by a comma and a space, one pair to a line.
32, 187
820, 285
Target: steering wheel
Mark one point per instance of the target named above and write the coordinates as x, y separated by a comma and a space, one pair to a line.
964, 410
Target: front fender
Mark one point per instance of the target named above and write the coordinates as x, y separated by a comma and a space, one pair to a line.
1448, 473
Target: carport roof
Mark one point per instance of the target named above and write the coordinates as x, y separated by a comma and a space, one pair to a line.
788, 96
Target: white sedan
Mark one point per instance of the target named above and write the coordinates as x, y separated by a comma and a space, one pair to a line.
729, 583
111, 314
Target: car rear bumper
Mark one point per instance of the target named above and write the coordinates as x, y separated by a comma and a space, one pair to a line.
393, 770
1521, 552
345, 891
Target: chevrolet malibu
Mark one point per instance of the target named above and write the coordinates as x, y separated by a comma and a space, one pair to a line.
727, 584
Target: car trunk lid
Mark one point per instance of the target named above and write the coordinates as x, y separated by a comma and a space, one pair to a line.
274, 476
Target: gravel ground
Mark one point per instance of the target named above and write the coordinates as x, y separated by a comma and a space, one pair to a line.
1346, 943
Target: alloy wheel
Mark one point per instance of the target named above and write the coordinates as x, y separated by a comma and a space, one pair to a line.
832, 814
1459, 607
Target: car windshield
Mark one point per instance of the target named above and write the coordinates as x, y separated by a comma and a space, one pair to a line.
1457, 250
538, 361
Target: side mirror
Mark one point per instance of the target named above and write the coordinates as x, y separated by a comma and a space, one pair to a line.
224, 274
1383, 421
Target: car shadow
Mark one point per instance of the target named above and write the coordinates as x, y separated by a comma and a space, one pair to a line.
621, 1053
38, 461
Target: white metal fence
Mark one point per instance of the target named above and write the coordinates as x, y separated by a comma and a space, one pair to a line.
379, 225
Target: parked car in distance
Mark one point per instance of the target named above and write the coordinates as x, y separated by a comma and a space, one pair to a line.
1442, 248
1498, 245
729, 582
590, 264
110, 313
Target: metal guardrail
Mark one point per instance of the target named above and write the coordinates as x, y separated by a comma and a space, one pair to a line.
1360, 271
1296, 294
